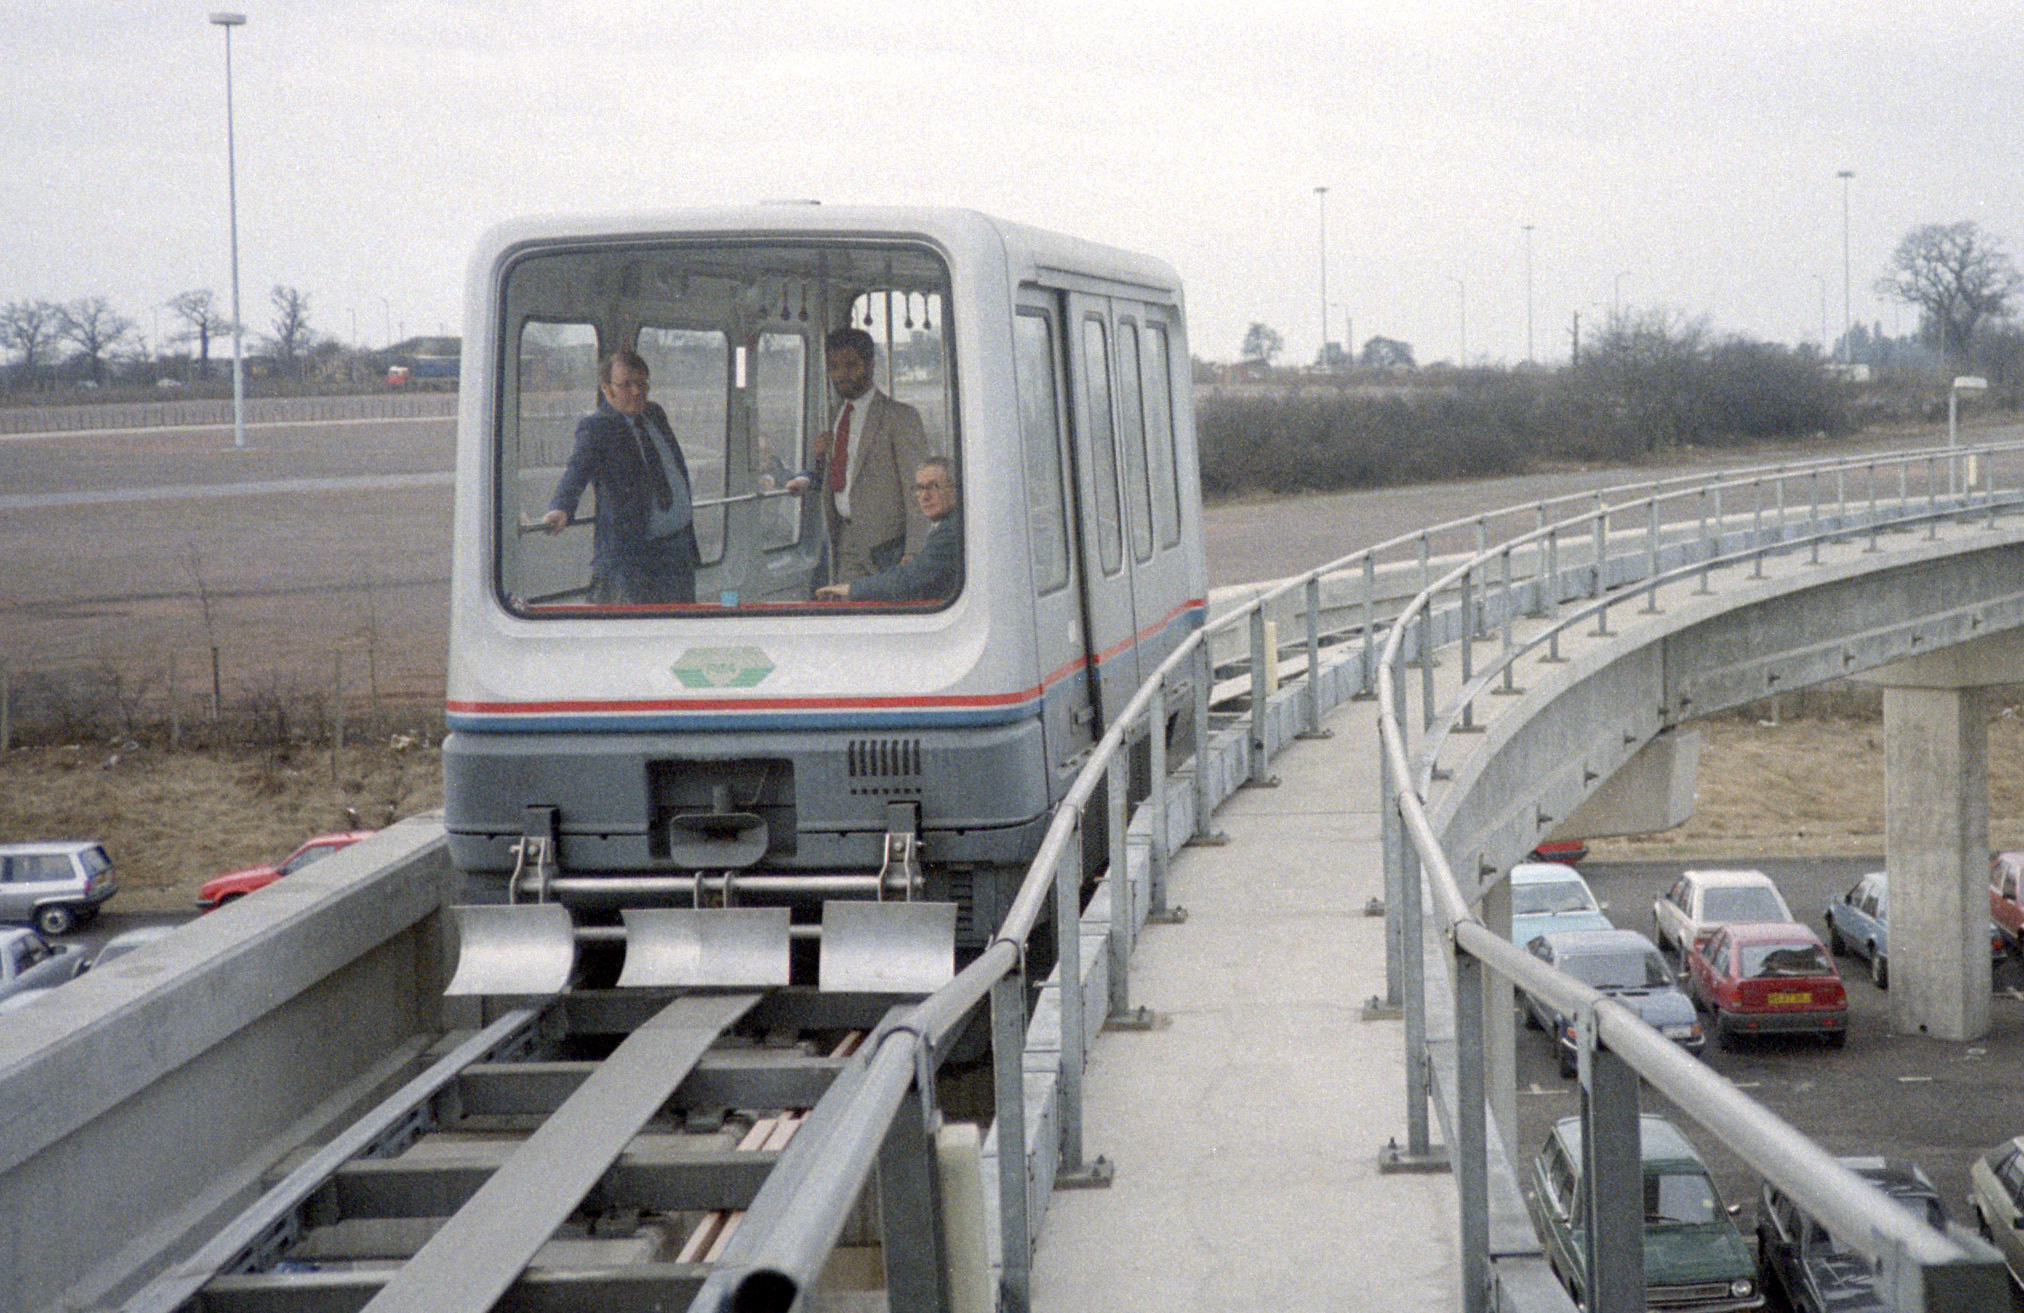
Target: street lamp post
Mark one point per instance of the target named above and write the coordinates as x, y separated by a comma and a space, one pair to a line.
1847, 316
228, 22
1321, 194
1528, 294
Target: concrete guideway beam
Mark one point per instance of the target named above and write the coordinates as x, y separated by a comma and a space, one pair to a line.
1936, 831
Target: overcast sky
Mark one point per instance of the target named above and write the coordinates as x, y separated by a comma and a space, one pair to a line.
1683, 154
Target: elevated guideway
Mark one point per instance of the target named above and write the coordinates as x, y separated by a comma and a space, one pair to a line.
1270, 1134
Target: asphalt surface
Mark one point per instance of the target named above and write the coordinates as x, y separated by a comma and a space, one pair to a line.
1936, 1102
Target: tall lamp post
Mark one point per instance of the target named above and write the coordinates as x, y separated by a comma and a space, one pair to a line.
228, 22
1847, 317
1321, 194
1528, 294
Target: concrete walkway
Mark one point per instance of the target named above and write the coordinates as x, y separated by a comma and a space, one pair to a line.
1246, 1132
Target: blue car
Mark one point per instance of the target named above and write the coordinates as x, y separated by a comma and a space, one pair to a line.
1624, 965
1858, 922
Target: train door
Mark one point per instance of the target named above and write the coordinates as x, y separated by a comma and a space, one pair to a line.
1060, 625
1106, 568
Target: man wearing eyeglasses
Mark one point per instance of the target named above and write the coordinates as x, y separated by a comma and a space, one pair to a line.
936, 571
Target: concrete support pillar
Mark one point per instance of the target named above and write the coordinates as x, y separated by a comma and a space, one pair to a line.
1936, 848
1936, 832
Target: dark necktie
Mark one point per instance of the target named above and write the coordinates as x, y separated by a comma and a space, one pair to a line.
839, 452
650, 456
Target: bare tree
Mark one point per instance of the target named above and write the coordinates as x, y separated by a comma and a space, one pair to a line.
30, 328
1956, 276
205, 320
90, 324
292, 335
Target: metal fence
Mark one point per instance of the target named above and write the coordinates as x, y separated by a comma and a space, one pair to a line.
193, 411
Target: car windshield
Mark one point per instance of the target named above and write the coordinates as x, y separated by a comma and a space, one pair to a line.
1680, 1197
1628, 969
1548, 899
1747, 903
308, 855
1762, 961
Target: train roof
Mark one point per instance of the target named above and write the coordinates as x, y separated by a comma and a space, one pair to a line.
1029, 251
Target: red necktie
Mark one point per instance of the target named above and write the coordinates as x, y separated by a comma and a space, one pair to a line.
839, 452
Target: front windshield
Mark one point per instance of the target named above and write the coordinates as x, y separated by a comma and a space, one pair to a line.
705, 426
1770, 961
1686, 1198
1632, 969
1550, 899
1744, 903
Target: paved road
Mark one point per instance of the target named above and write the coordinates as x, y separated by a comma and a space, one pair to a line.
1937, 1102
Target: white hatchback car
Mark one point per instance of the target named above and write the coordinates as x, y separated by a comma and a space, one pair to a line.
1699, 902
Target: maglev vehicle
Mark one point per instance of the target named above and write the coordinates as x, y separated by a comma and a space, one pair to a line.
761, 745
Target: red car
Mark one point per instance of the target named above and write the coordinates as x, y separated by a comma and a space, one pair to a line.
1768, 978
222, 889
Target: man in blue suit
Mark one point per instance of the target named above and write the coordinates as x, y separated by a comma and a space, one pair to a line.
644, 546
935, 572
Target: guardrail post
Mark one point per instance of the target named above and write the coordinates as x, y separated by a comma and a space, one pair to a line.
1369, 625
1472, 1134
1467, 640
910, 1207
1205, 800
1314, 729
1159, 855
1118, 941
1260, 701
1413, 955
1068, 975
1612, 1188
1391, 838
1008, 1072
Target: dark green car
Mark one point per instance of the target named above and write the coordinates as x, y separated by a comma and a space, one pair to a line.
1695, 1260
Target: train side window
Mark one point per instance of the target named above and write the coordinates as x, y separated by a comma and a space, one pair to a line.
1132, 440
556, 381
1160, 436
1102, 454
690, 372
1040, 433
780, 398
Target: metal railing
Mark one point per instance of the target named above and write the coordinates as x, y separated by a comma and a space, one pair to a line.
1477, 600
1352, 643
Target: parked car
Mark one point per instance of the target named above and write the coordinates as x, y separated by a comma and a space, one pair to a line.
1695, 1260
126, 941
1814, 1271
1546, 896
2006, 898
28, 961
1996, 1193
221, 889
54, 886
1686, 914
1858, 922
1624, 965
1768, 978
1570, 851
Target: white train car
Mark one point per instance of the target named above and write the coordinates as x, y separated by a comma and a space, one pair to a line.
761, 744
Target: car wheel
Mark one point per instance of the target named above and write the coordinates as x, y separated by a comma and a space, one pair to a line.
1982, 1225
1837, 1039
1835, 943
55, 919
1879, 969
1723, 1035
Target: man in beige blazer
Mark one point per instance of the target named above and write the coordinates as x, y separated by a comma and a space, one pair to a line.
864, 466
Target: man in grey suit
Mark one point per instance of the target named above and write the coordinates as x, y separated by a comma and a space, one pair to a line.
936, 571
862, 467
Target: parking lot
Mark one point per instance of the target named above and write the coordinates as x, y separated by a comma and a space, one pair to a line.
1936, 1102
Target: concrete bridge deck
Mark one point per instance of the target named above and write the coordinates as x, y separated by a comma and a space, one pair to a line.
1246, 1130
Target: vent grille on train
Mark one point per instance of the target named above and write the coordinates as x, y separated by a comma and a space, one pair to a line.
885, 766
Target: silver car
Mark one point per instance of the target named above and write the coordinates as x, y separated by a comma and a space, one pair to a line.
55, 886
28, 962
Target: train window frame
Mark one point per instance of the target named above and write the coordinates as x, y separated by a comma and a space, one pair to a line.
1046, 485
620, 289
710, 521
1101, 424
1162, 442
1135, 473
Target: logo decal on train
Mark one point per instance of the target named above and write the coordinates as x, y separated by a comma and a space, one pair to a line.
722, 667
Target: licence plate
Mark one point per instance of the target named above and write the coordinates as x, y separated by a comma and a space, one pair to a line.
1786, 997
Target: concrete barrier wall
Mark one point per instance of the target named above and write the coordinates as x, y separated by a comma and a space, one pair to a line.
194, 412
139, 1101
